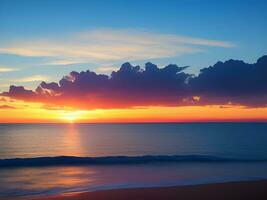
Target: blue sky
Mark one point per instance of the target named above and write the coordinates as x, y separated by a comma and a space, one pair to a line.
44, 40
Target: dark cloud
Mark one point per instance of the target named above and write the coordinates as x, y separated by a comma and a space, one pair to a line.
231, 82
234, 82
19, 92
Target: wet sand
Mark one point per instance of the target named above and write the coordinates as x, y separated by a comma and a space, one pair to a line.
245, 190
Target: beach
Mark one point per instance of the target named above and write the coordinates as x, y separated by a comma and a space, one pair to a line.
250, 190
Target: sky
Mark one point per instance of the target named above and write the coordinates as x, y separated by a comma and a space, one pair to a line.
46, 40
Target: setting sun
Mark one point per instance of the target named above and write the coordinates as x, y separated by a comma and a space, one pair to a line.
72, 116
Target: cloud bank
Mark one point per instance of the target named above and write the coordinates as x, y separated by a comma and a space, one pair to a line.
103, 45
232, 82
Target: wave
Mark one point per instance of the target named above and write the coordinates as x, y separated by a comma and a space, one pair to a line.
113, 160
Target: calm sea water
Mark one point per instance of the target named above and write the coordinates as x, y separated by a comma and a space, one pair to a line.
232, 151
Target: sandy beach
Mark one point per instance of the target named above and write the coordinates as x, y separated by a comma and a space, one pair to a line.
247, 190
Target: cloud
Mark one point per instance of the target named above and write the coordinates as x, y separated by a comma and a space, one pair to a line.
226, 83
4, 85
3, 99
233, 82
111, 45
32, 78
19, 92
62, 62
105, 69
7, 107
128, 87
7, 69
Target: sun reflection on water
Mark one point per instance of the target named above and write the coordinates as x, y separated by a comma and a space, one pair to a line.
72, 142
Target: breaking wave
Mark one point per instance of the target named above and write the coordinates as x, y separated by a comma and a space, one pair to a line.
113, 160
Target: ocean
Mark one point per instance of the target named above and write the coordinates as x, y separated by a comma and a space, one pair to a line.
43, 159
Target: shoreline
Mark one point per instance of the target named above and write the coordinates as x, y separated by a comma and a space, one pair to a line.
255, 190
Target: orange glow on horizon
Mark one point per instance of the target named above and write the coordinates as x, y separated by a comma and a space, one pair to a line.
39, 113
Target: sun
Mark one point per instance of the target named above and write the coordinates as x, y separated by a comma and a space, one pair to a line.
71, 116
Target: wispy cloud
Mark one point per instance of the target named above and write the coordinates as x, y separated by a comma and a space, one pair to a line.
4, 85
106, 69
7, 69
63, 62
33, 78
7, 107
111, 45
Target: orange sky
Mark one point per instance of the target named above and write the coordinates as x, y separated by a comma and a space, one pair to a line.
37, 113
